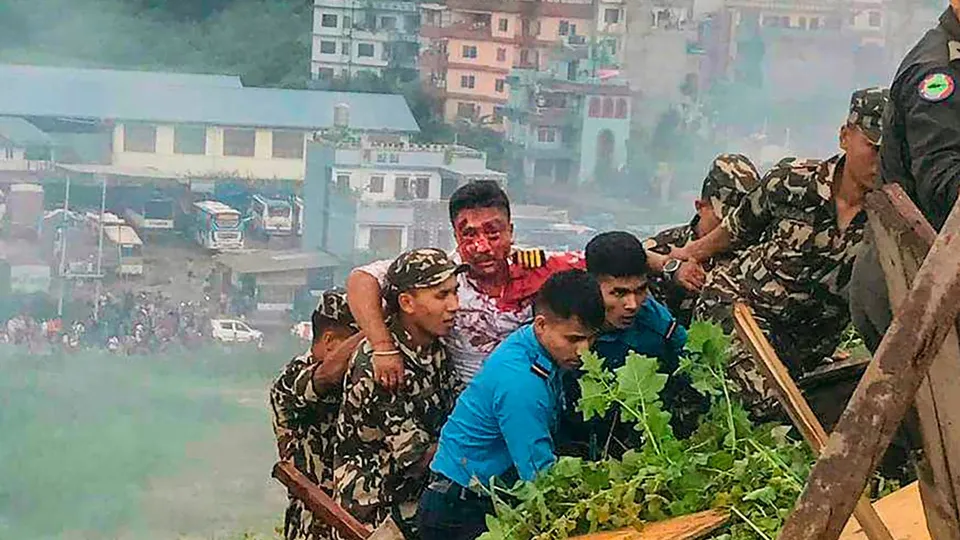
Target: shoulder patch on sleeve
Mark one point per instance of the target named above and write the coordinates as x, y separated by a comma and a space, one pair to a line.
953, 48
530, 258
936, 87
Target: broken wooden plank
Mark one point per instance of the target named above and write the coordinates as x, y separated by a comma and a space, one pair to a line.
689, 527
902, 511
789, 396
319, 502
903, 238
887, 390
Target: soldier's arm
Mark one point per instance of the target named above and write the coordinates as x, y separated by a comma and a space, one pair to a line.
742, 227
366, 304
329, 373
360, 465
933, 135
287, 397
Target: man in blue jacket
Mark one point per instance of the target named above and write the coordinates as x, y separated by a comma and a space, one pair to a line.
501, 428
635, 321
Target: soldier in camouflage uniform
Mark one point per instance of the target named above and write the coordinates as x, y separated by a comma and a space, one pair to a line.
304, 417
731, 177
387, 439
796, 237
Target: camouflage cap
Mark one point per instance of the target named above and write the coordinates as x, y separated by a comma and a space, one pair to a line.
866, 111
421, 268
731, 177
333, 305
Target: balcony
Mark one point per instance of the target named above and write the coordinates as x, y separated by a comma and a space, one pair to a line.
462, 30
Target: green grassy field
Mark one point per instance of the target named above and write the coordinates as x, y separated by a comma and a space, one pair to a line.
99, 446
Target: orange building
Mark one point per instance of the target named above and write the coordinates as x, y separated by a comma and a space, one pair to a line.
468, 47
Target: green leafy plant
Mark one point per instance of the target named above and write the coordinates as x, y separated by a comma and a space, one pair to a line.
756, 472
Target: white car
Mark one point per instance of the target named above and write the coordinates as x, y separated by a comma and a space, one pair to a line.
234, 331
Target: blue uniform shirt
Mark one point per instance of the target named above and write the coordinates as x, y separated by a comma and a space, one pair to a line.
503, 419
654, 332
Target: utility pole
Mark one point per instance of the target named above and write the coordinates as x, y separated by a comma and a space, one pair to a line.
63, 248
103, 204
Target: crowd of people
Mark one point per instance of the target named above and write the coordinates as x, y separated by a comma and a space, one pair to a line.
128, 323
433, 375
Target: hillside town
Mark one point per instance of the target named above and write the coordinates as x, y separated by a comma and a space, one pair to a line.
557, 267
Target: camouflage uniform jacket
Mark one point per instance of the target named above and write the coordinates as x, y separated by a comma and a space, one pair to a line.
384, 438
680, 301
304, 423
793, 265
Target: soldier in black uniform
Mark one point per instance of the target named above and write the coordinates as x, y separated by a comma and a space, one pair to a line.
920, 151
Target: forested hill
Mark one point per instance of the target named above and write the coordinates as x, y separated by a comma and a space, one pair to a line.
266, 42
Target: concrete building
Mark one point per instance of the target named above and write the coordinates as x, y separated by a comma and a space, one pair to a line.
568, 123
196, 130
384, 197
468, 48
23, 148
373, 36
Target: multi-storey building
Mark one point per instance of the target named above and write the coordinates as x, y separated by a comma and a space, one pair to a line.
384, 197
569, 122
468, 48
373, 36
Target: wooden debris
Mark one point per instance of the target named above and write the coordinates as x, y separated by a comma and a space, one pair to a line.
887, 390
680, 528
902, 511
320, 503
796, 406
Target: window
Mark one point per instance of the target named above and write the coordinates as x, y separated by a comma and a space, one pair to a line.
402, 189
288, 144
621, 108
386, 239
343, 183
501, 55
328, 47
469, 51
422, 187
498, 114
447, 187
226, 326
345, 48
771, 21
607, 108
814, 23
546, 135
365, 50
525, 56
239, 142
803, 23
190, 140
594, 111
370, 21
499, 84
376, 184
388, 23
328, 20
503, 25
611, 16
347, 21
785, 21
573, 29
466, 110
875, 19
139, 138
467, 81
564, 28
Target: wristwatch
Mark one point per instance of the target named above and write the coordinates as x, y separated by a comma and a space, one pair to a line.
670, 269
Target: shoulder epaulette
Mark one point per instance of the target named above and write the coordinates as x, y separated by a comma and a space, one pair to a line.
530, 258
539, 371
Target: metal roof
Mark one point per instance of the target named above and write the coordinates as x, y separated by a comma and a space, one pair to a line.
122, 234
55, 74
133, 99
23, 133
263, 261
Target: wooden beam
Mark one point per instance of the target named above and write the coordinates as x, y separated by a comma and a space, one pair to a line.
903, 238
319, 502
688, 527
887, 390
797, 407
